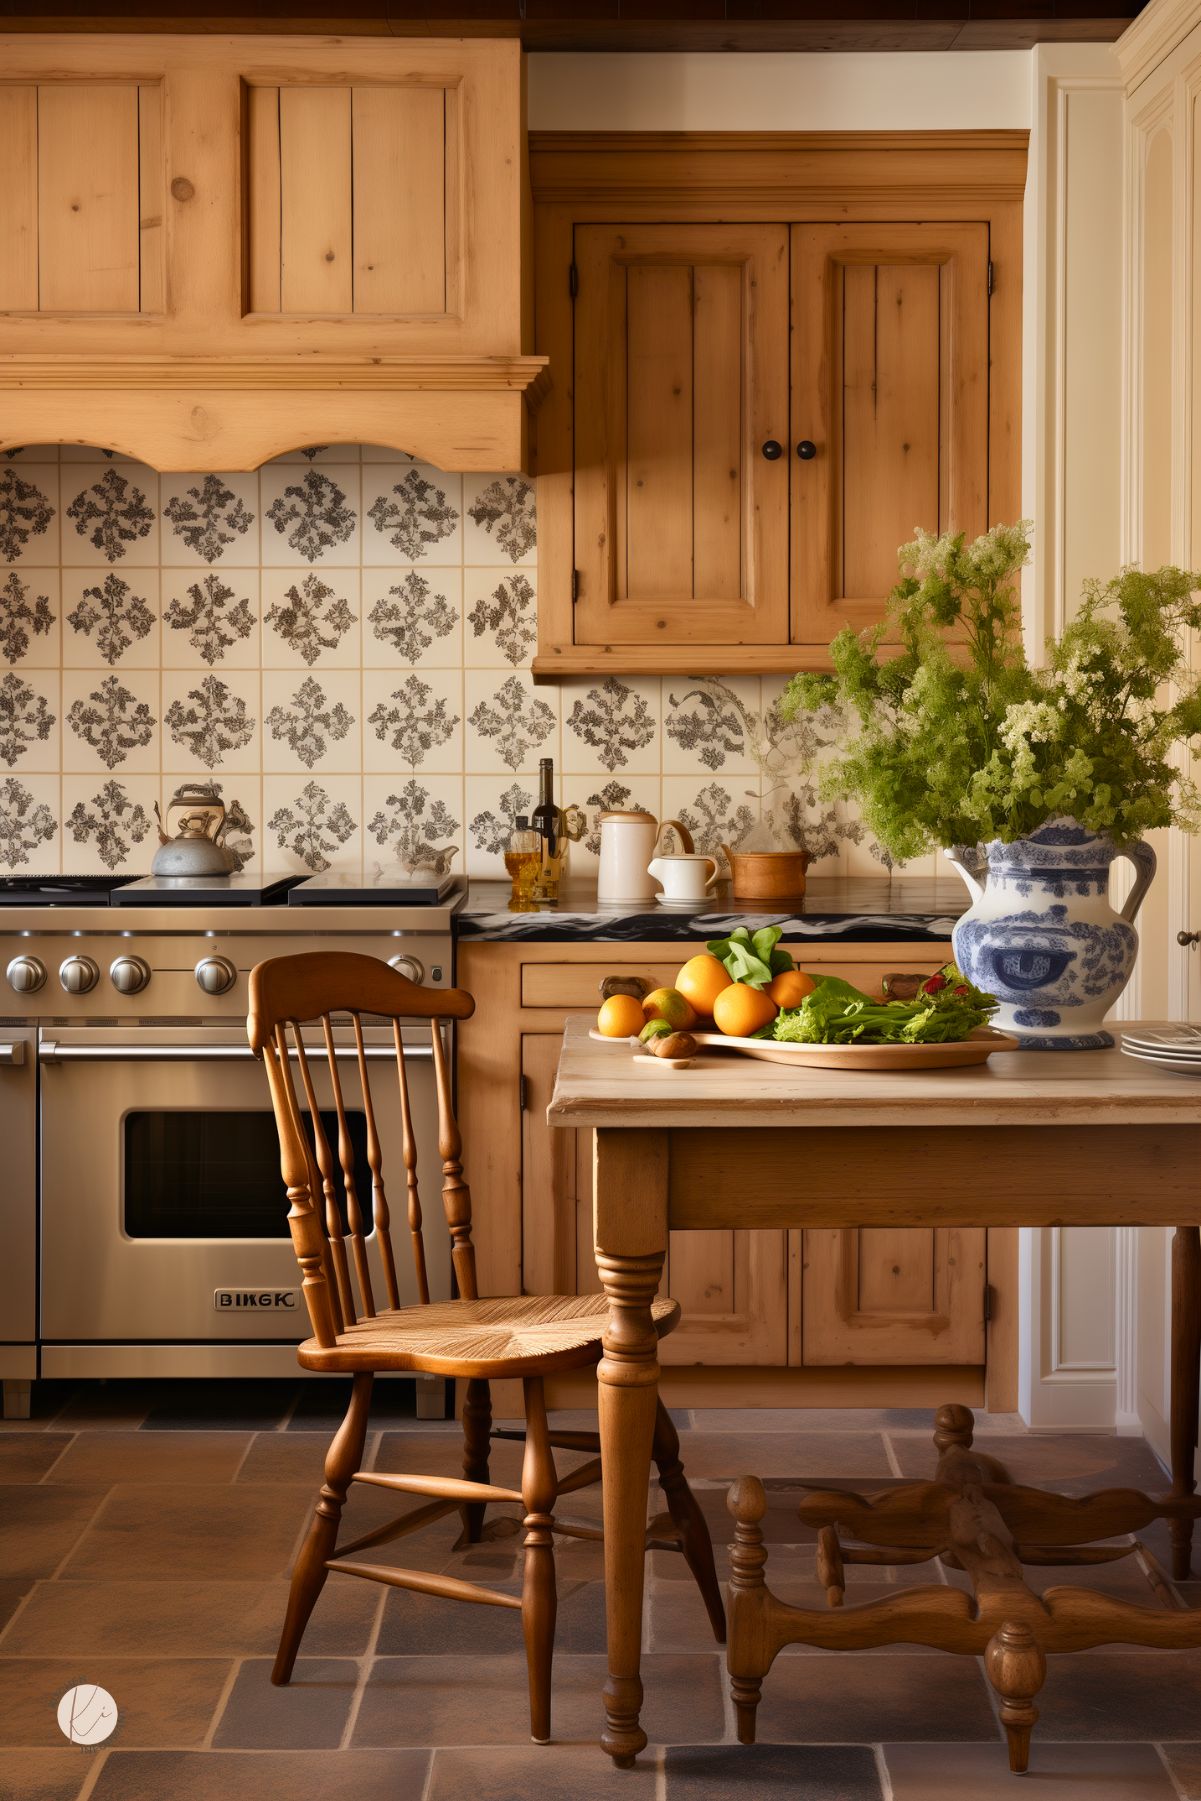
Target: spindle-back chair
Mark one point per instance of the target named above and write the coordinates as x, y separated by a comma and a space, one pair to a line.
474, 1340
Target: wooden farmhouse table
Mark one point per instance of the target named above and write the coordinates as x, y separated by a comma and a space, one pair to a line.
1089, 1138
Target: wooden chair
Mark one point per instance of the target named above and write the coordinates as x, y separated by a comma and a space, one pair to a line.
470, 1339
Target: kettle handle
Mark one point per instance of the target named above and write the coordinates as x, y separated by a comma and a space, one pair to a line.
1144, 860
681, 831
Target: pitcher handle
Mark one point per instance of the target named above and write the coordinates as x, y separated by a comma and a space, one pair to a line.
971, 861
681, 831
1144, 860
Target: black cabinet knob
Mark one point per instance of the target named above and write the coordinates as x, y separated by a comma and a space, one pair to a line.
773, 449
806, 450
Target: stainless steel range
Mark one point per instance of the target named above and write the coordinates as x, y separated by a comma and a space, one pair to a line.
142, 1210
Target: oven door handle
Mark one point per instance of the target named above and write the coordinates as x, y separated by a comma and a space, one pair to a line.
11, 1055
51, 1050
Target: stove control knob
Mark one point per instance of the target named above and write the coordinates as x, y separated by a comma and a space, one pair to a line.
216, 975
409, 967
129, 975
26, 974
78, 975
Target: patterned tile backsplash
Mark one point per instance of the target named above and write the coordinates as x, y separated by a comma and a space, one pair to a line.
342, 641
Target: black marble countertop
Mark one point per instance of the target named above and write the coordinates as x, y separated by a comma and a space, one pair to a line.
854, 909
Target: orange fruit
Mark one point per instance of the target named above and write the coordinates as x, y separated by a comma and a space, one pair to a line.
621, 1016
669, 1004
740, 1010
790, 987
701, 981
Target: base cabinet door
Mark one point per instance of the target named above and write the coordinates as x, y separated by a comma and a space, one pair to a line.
880, 1296
732, 1286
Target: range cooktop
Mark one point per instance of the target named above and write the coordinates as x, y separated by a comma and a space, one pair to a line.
60, 890
376, 888
241, 890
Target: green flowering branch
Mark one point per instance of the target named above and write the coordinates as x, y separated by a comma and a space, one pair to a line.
954, 739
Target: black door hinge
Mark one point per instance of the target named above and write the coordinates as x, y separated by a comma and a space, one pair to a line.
523, 1093
573, 280
575, 584
990, 277
989, 1301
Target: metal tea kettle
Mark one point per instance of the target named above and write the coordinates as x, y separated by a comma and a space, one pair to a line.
199, 827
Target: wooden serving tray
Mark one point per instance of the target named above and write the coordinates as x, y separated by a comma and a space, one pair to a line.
976, 1049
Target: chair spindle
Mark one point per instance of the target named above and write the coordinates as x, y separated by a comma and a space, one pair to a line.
354, 1212
456, 1196
304, 1221
341, 1297
408, 1146
375, 1160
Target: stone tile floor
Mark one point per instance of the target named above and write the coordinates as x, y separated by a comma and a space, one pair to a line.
146, 1532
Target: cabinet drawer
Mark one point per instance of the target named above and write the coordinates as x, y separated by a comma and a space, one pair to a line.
569, 986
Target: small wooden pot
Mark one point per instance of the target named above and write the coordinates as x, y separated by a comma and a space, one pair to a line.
767, 874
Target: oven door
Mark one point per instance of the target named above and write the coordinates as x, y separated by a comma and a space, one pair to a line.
18, 1201
164, 1217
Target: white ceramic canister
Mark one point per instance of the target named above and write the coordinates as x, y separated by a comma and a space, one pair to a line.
628, 842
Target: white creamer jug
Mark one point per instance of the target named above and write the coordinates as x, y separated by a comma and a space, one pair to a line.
628, 842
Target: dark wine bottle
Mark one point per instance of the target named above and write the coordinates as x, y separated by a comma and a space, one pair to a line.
545, 817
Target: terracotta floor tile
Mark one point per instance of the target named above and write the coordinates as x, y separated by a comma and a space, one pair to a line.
1122, 1695
263, 1775
1072, 1462
538, 1773
137, 1456
39, 1523
1184, 1761
1068, 1772
161, 1701
804, 1456
676, 1619
853, 1420
410, 1698
46, 1399
761, 1772
231, 1406
295, 1457
424, 1625
103, 1406
179, 1618
45, 1775
168, 1531
307, 1714
26, 1456
853, 1697
12, 1593
441, 1454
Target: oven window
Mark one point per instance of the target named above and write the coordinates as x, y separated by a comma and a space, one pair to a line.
216, 1175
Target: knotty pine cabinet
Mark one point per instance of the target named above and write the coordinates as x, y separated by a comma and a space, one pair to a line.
898, 1312
759, 413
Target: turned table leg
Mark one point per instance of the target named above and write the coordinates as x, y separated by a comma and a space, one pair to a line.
1186, 1382
630, 1240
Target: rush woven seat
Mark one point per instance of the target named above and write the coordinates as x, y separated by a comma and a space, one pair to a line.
473, 1340
513, 1335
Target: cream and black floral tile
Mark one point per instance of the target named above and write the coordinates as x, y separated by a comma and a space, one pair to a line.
412, 819
500, 520
211, 721
500, 618
110, 517
108, 823
511, 723
491, 805
607, 794
30, 839
413, 616
110, 619
717, 811
311, 620
210, 618
30, 618
210, 519
611, 725
311, 720
110, 721
710, 724
323, 453
30, 721
309, 516
29, 514
312, 823
413, 720
412, 513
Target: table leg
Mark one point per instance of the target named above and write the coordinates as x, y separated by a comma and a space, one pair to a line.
1186, 1382
630, 1224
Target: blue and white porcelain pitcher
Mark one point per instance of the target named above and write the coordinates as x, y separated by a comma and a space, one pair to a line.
1042, 936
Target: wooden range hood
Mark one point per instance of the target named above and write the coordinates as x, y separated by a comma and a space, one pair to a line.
214, 250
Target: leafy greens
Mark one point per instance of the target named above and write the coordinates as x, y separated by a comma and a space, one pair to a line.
947, 1008
751, 957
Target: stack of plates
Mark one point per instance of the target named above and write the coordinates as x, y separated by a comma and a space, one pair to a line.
1169, 1047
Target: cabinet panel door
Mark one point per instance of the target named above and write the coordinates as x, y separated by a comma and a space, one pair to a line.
893, 1296
890, 385
732, 1286
681, 374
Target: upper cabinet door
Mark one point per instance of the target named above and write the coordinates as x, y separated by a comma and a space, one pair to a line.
890, 409
681, 379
